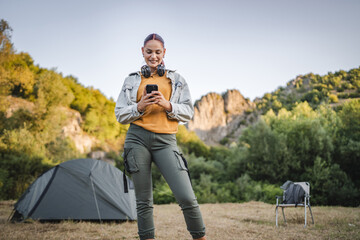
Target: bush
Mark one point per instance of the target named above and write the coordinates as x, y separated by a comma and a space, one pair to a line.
22, 161
330, 185
163, 194
249, 190
205, 189
191, 143
333, 98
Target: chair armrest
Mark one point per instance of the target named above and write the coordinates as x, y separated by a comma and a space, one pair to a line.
278, 196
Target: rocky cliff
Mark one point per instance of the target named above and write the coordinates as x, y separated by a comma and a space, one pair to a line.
71, 128
219, 118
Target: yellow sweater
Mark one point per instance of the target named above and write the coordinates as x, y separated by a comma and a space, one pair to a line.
155, 117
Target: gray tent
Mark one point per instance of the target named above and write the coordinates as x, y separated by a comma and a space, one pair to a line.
80, 189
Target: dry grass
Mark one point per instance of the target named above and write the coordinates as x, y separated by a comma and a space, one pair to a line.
252, 220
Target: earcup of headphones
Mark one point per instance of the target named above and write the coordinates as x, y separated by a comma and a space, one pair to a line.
161, 70
146, 71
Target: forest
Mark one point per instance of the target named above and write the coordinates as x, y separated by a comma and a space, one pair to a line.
311, 133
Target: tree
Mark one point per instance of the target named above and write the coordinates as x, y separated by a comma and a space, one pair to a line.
6, 46
348, 141
6, 49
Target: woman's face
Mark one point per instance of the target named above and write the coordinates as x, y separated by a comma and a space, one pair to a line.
153, 53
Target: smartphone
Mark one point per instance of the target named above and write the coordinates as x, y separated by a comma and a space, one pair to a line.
151, 87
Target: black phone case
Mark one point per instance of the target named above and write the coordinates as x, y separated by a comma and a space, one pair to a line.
151, 87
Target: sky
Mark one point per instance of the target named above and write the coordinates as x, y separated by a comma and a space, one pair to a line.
253, 46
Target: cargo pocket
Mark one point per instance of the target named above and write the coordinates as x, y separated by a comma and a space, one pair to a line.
130, 161
180, 161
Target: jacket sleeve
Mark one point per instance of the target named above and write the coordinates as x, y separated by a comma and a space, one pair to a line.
183, 109
126, 110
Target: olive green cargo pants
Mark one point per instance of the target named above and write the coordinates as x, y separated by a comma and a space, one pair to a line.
141, 148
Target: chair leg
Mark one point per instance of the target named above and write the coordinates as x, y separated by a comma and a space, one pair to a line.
312, 218
283, 215
305, 204
276, 211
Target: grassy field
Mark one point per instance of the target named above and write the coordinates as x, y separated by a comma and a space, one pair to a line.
252, 220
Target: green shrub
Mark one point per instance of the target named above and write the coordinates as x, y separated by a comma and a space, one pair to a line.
330, 185
163, 194
333, 98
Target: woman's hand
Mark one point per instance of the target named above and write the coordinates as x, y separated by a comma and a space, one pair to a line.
146, 100
161, 101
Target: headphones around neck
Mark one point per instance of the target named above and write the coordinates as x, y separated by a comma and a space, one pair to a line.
146, 70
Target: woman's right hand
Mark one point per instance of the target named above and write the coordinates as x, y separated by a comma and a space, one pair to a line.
146, 100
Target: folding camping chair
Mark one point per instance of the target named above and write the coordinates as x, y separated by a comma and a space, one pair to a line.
305, 203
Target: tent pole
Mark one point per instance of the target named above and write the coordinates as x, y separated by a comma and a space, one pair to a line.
96, 202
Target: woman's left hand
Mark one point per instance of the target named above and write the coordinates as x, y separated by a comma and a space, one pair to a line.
161, 101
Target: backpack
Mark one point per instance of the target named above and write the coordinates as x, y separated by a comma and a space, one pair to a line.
293, 193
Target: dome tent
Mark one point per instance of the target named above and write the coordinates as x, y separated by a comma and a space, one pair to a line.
80, 189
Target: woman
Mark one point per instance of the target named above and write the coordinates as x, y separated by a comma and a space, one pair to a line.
154, 119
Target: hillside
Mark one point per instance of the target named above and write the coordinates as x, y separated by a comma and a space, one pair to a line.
332, 88
70, 127
47, 118
227, 221
214, 123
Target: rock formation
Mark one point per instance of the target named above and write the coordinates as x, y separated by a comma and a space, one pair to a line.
72, 129
13, 104
218, 116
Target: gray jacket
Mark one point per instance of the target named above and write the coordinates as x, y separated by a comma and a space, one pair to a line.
126, 106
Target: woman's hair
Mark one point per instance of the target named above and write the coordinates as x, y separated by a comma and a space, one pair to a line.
154, 36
